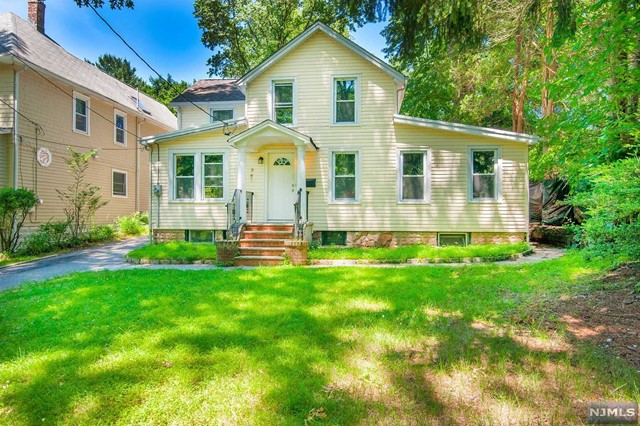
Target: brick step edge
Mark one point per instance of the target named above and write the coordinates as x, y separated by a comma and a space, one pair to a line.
463, 260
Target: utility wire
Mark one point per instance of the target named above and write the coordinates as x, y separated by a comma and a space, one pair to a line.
39, 128
175, 89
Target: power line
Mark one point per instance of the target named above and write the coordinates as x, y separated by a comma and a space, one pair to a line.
79, 146
153, 69
39, 128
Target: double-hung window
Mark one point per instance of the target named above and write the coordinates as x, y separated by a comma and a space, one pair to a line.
414, 176
120, 128
283, 102
221, 115
345, 98
484, 174
118, 183
345, 168
213, 174
81, 108
185, 176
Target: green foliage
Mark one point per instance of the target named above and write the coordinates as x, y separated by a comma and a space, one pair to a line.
135, 224
165, 90
613, 202
14, 207
243, 34
175, 250
55, 236
100, 233
81, 199
121, 69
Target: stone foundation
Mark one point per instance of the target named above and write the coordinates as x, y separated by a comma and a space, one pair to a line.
166, 235
498, 237
297, 251
396, 239
226, 250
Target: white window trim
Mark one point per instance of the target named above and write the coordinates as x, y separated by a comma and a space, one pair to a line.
358, 153
357, 78
272, 97
126, 183
498, 171
212, 110
77, 95
116, 113
426, 152
198, 180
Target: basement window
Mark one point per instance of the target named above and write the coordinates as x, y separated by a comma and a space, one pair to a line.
199, 236
450, 239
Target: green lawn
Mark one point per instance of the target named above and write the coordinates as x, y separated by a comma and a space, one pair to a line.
9, 260
271, 346
177, 250
488, 252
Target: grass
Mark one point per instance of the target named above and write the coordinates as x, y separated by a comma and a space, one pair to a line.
488, 252
292, 346
9, 260
176, 250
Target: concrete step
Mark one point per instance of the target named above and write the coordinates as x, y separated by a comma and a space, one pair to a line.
266, 234
269, 227
258, 260
262, 242
261, 251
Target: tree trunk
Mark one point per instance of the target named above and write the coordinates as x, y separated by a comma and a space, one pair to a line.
549, 64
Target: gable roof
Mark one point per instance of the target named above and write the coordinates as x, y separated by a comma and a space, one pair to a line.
21, 42
465, 128
268, 132
319, 26
210, 90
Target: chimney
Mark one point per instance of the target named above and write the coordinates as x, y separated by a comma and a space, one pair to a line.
36, 14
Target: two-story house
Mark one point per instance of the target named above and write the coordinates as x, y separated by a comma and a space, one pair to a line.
50, 100
313, 136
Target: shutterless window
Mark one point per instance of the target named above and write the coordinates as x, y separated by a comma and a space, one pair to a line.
120, 128
213, 176
345, 100
344, 176
413, 182
81, 114
483, 174
184, 172
221, 114
119, 181
283, 102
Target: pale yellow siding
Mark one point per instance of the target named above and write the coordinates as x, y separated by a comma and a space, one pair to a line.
6, 94
52, 109
4, 170
313, 64
191, 116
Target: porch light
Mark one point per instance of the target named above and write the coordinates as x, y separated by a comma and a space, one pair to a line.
260, 160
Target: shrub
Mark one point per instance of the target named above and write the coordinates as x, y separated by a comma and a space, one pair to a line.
36, 244
100, 233
57, 231
132, 224
14, 207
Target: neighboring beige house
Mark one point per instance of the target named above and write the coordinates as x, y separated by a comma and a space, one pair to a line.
321, 117
49, 99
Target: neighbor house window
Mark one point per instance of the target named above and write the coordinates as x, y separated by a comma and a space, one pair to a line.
221, 115
414, 179
345, 170
184, 173
118, 183
213, 176
345, 91
283, 108
81, 108
484, 174
120, 127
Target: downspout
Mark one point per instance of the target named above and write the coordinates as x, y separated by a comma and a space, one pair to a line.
16, 126
150, 148
138, 131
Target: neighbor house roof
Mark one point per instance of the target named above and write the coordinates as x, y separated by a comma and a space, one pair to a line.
465, 128
21, 42
319, 26
211, 90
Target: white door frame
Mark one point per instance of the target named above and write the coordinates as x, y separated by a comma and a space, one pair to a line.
294, 161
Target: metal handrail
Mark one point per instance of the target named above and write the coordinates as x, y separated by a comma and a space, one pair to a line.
298, 225
233, 215
249, 206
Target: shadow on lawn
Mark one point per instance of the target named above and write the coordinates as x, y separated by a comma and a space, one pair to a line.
352, 345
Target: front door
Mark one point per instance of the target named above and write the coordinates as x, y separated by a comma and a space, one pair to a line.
280, 187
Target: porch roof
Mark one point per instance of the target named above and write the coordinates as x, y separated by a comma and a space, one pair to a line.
270, 133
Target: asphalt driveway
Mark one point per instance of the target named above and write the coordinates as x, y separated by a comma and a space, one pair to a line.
106, 257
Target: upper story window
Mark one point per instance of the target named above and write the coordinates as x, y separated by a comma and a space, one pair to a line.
120, 128
81, 108
283, 102
221, 114
118, 183
414, 176
345, 98
345, 173
484, 174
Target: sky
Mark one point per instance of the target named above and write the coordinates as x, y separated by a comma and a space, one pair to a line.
164, 32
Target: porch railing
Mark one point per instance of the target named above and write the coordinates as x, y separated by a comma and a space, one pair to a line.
233, 215
298, 225
249, 206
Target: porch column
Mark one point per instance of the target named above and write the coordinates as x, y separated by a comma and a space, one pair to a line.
242, 179
302, 181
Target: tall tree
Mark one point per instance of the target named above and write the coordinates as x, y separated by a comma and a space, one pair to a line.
165, 89
121, 69
243, 34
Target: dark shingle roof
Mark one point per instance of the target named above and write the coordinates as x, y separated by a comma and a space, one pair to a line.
211, 90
